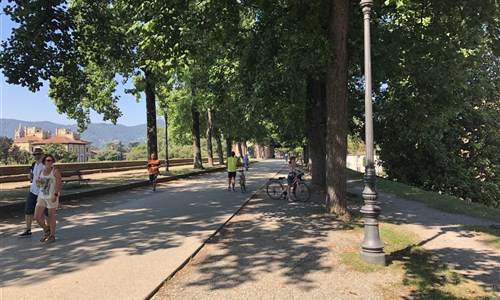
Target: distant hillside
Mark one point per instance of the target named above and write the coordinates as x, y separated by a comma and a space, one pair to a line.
99, 134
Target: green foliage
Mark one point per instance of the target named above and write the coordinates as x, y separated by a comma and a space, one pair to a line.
181, 152
113, 152
20, 157
5, 145
132, 145
437, 103
10, 154
436, 74
355, 144
139, 152
59, 152
108, 155
285, 45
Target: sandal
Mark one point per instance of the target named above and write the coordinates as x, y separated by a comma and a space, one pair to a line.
50, 239
45, 235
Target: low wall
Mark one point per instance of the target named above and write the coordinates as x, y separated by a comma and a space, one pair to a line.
20, 173
358, 162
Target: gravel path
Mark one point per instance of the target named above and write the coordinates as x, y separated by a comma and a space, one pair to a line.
274, 250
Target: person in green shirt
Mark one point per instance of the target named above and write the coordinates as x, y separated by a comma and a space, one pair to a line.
232, 165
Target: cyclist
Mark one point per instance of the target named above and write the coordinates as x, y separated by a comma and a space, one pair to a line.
246, 161
232, 165
292, 172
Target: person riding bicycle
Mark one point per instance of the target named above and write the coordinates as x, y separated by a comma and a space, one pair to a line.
292, 172
246, 161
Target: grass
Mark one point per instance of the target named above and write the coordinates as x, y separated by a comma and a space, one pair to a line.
423, 276
445, 203
21, 192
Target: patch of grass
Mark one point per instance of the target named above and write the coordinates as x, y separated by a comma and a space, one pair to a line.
445, 203
424, 276
490, 236
394, 240
14, 194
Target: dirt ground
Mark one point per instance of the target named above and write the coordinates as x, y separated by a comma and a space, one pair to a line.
276, 250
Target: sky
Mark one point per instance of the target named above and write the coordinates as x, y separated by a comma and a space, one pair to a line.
17, 102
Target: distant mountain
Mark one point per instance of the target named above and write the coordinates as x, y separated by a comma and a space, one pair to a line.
99, 133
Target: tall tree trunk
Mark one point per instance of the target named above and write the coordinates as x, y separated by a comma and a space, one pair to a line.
229, 146
208, 136
240, 150
195, 131
151, 114
218, 140
316, 132
336, 98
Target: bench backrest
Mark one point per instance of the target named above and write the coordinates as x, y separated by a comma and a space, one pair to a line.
74, 174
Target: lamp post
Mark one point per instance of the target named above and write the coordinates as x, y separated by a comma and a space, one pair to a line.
165, 110
372, 247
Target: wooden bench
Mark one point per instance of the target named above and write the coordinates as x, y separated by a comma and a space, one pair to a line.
73, 176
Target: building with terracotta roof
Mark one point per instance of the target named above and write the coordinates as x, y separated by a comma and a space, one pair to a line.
29, 138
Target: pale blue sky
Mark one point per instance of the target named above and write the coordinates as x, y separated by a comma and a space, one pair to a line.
17, 102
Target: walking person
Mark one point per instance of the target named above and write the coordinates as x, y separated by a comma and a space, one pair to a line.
232, 166
49, 182
29, 209
153, 170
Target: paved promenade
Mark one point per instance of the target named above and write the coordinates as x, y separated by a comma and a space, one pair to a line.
123, 245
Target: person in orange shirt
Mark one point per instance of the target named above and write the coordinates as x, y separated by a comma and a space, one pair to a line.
153, 170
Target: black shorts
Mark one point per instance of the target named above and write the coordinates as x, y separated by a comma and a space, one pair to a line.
29, 208
152, 177
231, 174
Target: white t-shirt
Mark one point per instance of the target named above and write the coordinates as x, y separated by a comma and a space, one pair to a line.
37, 169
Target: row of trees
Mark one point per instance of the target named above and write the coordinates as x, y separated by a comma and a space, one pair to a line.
283, 72
12, 154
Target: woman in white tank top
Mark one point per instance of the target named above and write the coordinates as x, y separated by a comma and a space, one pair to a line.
49, 183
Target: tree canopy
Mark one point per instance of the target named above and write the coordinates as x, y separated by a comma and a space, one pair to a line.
277, 72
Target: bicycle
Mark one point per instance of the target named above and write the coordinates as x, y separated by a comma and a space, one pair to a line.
276, 189
243, 181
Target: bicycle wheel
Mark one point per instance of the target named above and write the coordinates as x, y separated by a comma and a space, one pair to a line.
302, 192
243, 185
274, 189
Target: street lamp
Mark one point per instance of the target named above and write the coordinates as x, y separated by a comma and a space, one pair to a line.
165, 110
372, 247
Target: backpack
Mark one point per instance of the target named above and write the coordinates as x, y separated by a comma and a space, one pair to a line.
31, 170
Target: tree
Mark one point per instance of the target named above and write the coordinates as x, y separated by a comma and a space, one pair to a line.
132, 145
20, 156
337, 113
116, 147
139, 152
437, 101
81, 50
59, 152
5, 145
